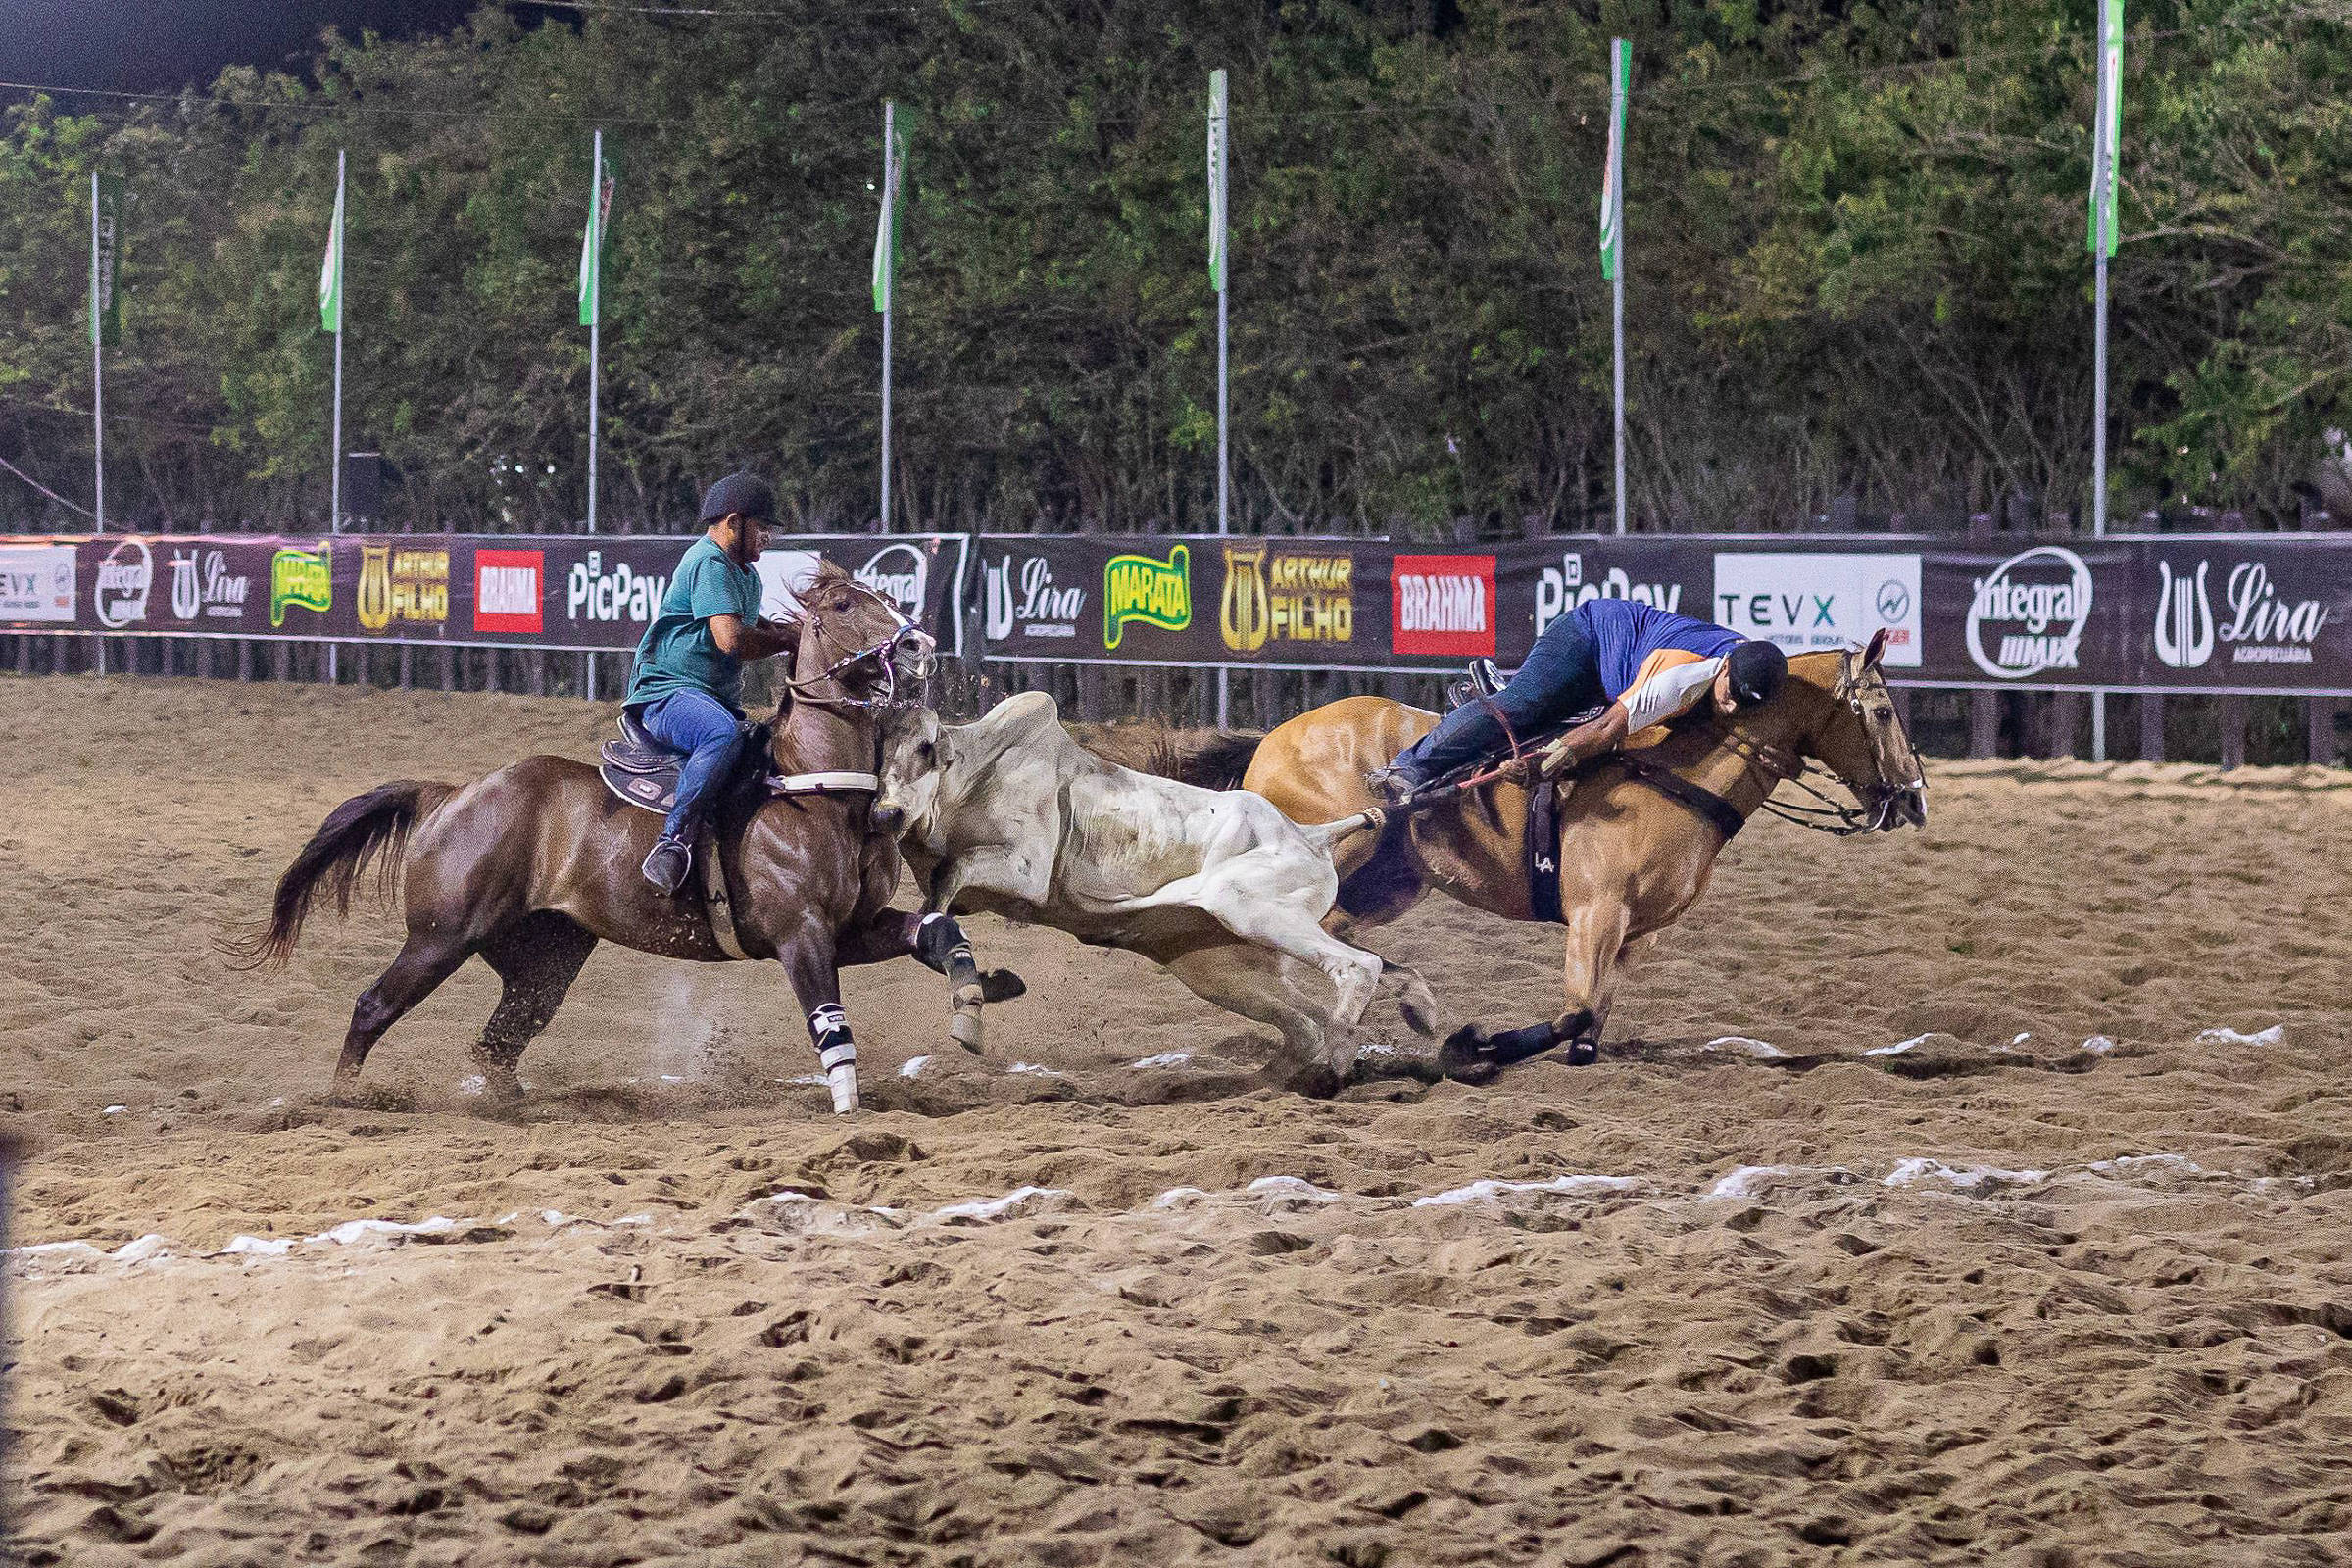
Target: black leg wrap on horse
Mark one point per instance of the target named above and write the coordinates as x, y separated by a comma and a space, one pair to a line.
829, 1031
940, 945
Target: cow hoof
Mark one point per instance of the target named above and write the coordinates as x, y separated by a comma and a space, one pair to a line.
1002, 985
1583, 1053
963, 1027
1467, 1056
1313, 1079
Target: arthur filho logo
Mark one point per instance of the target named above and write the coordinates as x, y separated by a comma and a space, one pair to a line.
1157, 593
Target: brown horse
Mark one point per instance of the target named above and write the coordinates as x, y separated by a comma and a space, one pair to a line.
530, 866
1632, 858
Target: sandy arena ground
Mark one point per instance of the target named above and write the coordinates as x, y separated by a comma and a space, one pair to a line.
1910, 1273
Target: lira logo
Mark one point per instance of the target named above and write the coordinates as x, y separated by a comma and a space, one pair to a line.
299, 578
1157, 593
1300, 598
404, 585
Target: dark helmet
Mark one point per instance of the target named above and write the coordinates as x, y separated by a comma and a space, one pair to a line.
1757, 670
745, 493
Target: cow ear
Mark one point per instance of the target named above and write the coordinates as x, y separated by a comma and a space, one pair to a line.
1876, 650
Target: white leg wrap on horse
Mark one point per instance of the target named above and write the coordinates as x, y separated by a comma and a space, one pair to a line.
836, 1054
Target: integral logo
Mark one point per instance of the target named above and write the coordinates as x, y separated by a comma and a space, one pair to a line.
1442, 604
1303, 598
593, 592
1561, 588
898, 573
299, 579
409, 586
36, 582
125, 579
203, 588
507, 591
1026, 603
2037, 603
2262, 628
1157, 593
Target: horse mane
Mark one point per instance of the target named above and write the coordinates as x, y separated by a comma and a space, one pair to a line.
1210, 758
795, 621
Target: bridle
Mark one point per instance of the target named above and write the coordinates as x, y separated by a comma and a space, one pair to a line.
906, 638
1774, 765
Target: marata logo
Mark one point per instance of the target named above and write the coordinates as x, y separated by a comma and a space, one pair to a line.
2037, 603
1157, 593
126, 577
1027, 602
2262, 628
1561, 588
509, 590
410, 586
300, 579
898, 573
203, 588
1293, 598
1442, 604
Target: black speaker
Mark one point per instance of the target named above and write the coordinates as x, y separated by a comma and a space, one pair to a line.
364, 487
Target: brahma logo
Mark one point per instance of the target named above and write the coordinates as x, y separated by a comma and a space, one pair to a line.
2043, 595
509, 590
898, 573
125, 579
2262, 629
1157, 593
1442, 604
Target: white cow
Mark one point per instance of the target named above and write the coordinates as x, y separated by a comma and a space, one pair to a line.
1012, 816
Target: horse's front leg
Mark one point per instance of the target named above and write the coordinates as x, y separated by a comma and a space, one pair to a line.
809, 958
939, 943
1597, 934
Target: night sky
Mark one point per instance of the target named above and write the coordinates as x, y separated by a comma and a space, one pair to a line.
160, 46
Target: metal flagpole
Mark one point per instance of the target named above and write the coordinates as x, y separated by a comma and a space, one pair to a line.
889, 276
1218, 137
1619, 75
596, 318
334, 457
97, 384
2102, 218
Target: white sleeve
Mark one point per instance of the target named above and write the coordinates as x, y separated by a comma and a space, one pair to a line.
1668, 693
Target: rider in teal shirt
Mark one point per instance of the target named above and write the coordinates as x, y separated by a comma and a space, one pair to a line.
686, 687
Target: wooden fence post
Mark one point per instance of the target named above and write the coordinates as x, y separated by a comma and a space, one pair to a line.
2318, 719
2065, 723
2234, 731
1984, 723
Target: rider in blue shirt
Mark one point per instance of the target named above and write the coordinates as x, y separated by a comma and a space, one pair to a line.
687, 682
1640, 664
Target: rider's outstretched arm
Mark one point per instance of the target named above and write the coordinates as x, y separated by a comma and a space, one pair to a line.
1586, 742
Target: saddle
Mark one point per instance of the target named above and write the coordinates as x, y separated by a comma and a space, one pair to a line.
643, 771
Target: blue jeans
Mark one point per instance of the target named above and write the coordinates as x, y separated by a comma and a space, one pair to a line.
698, 724
1560, 679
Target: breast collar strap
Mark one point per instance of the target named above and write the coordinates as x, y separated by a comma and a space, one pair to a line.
823, 784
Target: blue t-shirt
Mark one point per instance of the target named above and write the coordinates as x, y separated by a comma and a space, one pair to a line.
1626, 631
677, 652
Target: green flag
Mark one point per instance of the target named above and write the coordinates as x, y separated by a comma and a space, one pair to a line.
330, 270
1219, 138
1612, 175
592, 238
897, 131
2107, 128
106, 247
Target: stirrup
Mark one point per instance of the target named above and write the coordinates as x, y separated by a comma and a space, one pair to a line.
683, 850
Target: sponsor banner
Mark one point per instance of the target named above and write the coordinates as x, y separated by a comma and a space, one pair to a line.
548, 591
1807, 601
2254, 613
1442, 605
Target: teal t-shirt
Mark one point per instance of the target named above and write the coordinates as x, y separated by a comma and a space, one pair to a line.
676, 652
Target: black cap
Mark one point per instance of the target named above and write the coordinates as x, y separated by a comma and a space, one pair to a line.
1757, 670
745, 493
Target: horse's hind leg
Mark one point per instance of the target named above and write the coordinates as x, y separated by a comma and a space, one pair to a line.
537, 958
413, 975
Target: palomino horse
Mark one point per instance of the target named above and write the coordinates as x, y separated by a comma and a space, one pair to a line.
1632, 858
530, 866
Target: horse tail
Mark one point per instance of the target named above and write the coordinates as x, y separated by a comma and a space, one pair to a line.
1213, 760
360, 829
